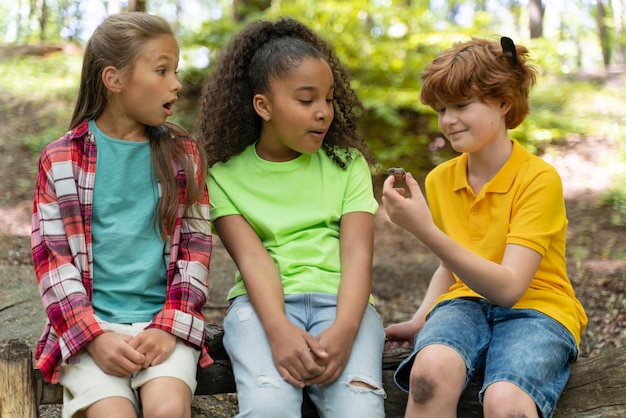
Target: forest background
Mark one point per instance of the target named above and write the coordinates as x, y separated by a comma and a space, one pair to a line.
577, 122
577, 44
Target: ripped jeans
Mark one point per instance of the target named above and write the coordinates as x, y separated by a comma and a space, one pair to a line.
262, 392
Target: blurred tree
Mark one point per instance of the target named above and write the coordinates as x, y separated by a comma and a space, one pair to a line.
619, 19
43, 18
603, 33
137, 5
536, 11
384, 45
243, 8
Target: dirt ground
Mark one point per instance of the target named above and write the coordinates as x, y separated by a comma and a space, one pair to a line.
402, 265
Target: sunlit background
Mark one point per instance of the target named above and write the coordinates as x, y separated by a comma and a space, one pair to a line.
578, 45
573, 25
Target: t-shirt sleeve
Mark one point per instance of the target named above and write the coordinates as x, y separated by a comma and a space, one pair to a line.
539, 214
359, 196
220, 202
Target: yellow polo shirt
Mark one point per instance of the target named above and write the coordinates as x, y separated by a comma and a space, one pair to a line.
523, 204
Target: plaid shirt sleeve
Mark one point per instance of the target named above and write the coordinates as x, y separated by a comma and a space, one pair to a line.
188, 269
60, 249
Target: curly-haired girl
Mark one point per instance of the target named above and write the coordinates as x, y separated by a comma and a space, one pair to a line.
292, 201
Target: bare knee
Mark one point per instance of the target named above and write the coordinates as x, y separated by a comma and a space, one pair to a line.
507, 400
438, 372
167, 408
166, 398
422, 389
113, 406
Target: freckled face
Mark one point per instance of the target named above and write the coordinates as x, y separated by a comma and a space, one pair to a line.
472, 124
300, 107
151, 89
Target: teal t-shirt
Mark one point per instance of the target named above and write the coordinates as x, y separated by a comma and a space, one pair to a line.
295, 208
129, 268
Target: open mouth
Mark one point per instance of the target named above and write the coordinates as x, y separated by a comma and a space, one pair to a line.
168, 107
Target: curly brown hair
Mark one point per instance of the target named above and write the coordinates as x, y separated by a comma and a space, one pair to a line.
260, 52
480, 68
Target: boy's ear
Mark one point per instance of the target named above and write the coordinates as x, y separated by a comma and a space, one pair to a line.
505, 107
112, 79
262, 106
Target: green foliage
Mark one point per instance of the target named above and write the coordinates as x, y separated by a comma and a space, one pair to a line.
39, 121
43, 90
615, 196
52, 76
384, 46
616, 199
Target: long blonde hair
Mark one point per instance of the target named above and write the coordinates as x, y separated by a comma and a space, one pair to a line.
118, 42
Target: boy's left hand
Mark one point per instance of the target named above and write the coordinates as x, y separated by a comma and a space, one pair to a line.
156, 344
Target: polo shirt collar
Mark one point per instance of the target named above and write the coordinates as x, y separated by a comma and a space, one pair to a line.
503, 179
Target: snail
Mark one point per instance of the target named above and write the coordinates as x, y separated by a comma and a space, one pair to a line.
397, 172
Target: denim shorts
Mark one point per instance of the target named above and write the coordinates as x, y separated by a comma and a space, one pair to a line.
262, 392
521, 346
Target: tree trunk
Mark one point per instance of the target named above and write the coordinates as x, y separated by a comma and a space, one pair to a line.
617, 7
242, 8
536, 11
137, 5
603, 33
17, 394
43, 19
622, 37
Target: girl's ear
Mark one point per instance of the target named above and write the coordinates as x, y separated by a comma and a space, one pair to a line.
262, 106
112, 79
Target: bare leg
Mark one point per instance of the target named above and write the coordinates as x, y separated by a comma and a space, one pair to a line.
436, 382
507, 400
113, 407
166, 397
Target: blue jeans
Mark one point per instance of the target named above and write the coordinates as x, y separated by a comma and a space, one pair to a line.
521, 346
262, 392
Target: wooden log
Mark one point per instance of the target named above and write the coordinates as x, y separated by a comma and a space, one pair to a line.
596, 388
17, 394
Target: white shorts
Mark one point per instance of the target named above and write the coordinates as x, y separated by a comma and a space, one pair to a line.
84, 383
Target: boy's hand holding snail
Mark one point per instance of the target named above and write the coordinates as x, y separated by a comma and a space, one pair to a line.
398, 173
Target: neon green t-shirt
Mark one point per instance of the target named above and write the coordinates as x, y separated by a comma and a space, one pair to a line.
523, 204
295, 208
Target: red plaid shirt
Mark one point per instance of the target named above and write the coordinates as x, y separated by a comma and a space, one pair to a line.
63, 259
